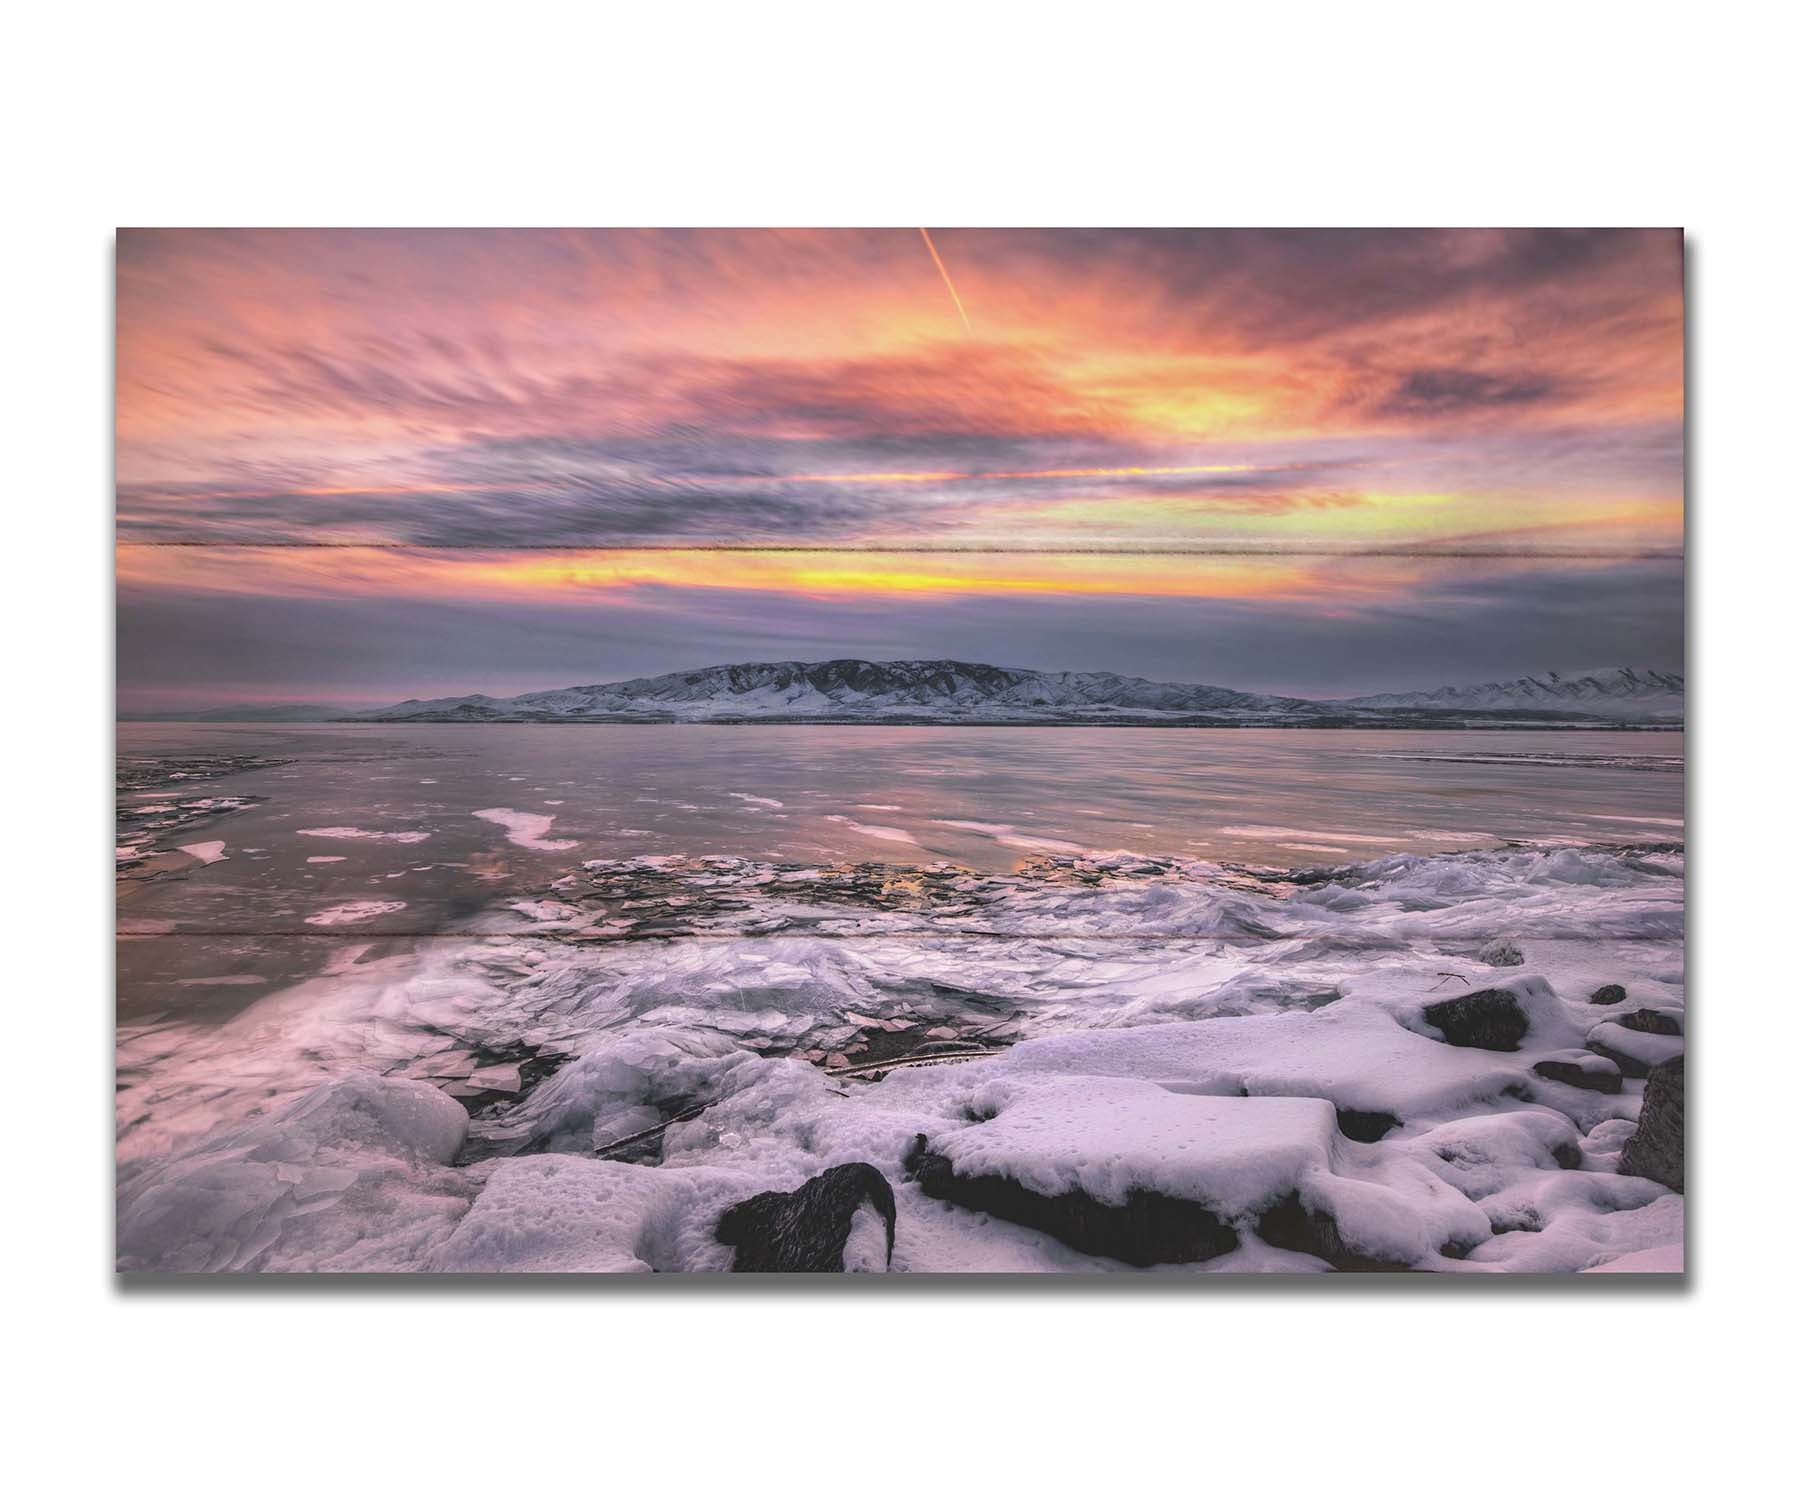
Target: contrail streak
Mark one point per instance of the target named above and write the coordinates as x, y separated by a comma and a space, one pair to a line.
948, 283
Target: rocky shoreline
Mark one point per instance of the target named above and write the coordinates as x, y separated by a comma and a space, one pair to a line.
1458, 1063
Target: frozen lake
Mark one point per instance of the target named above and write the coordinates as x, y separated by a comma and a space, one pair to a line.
404, 831
546, 945
440, 816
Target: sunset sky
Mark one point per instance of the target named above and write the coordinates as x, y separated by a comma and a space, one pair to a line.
1321, 462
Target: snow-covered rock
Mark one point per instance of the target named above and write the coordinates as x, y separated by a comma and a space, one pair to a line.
1160, 1060
1581, 1070
1499, 1019
1636, 1052
572, 1213
1653, 1020
1143, 1173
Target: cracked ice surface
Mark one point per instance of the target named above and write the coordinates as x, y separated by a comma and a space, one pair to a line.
1136, 1006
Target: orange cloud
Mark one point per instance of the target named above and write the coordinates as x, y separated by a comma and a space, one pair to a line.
548, 577
532, 371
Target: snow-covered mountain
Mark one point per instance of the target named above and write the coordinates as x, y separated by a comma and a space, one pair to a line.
854, 689
1609, 692
850, 690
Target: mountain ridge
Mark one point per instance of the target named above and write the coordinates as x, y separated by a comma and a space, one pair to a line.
944, 690
1604, 690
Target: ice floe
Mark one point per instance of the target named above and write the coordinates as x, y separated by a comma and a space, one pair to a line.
149, 820
872, 830
525, 829
353, 911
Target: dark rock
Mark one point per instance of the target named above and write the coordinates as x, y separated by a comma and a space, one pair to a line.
1656, 1022
1629, 1066
1604, 1078
1608, 994
1636, 1052
1366, 1125
1658, 1149
1148, 1229
1291, 1225
1492, 1019
805, 1230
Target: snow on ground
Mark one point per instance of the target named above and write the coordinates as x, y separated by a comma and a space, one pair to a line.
1267, 1049
525, 829
1663, 1258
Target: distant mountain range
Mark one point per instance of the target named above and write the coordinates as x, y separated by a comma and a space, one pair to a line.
956, 692
1610, 693
853, 691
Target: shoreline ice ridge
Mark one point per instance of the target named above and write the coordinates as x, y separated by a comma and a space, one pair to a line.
636, 990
